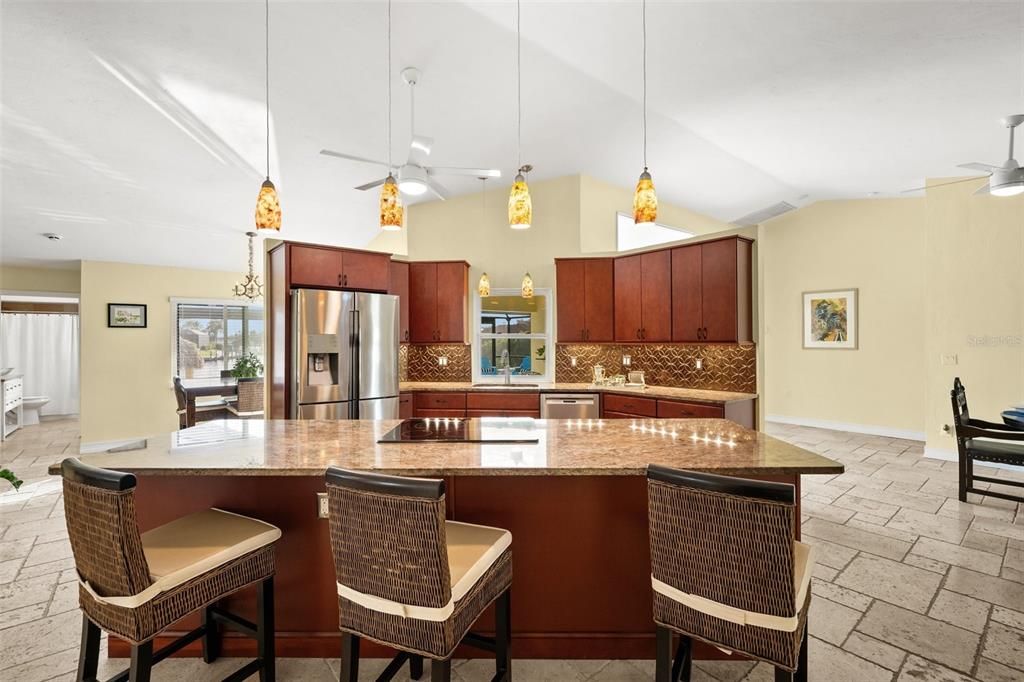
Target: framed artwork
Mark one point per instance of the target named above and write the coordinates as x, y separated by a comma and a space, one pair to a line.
830, 319
132, 315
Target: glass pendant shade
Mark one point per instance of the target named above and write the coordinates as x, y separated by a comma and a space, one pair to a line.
520, 207
484, 287
527, 286
392, 214
268, 209
645, 201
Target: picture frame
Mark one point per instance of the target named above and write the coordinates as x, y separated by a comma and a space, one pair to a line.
830, 319
127, 315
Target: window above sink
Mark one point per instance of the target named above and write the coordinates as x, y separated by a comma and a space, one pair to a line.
505, 321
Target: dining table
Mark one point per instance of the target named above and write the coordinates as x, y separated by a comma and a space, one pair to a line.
204, 388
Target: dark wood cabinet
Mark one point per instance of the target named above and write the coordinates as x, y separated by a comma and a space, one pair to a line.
503, 404
586, 300
675, 409
618, 406
711, 291
643, 297
405, 406
439, 404
437, 301
399, 286
326, 267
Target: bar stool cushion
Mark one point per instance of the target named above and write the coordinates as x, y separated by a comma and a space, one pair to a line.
472, 550
193, 545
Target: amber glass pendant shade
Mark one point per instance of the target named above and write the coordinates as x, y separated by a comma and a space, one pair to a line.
527, 286
268, 209
484, 287
392, 214
645, 201
520, 207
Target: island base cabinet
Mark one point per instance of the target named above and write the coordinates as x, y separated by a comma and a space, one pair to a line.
582, 574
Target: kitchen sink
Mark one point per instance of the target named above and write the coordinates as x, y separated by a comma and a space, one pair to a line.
515, 385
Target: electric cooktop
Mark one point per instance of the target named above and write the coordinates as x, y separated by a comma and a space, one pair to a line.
454, 430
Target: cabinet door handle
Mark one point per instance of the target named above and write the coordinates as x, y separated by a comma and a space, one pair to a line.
339, 280
588, 334
638, 333
344, 280
643, 333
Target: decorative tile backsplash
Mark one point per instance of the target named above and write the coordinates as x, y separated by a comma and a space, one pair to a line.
420, 363
723, 367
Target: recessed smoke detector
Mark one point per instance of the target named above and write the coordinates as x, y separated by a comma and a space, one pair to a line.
53, 236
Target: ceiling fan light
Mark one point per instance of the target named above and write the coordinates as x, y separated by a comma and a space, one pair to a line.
645, 201
1007, 183
484, 287
392, 214
412, 180
520, 206
1011, 190
268, 209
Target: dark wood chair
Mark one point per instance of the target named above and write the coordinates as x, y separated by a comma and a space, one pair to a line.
411, 580
726, 570
136, 585
1002, 445
179, 396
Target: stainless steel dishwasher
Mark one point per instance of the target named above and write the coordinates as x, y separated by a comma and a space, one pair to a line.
570, 406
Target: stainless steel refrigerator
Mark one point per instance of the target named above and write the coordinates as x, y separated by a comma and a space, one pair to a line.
346, 355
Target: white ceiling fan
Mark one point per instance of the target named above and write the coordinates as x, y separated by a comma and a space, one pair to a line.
415, 176
1006, 180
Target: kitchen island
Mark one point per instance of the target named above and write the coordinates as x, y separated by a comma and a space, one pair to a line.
575, 502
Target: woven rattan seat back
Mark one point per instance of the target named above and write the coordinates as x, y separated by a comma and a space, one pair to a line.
388, 536
726, 539
99, 506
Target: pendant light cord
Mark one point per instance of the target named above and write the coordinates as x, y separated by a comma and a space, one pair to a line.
519, 92
266, 55
643, 20
388, 81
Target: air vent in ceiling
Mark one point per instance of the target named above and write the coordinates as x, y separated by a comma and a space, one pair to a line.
758, 217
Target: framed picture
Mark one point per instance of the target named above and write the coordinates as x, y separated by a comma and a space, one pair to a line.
131, 315
830, 319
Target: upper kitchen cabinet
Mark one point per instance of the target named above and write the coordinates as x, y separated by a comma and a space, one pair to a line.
437, 301
400, 287
643, 297
711, 291
585, 299
327, 267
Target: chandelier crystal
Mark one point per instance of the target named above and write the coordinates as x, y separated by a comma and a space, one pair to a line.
251, 287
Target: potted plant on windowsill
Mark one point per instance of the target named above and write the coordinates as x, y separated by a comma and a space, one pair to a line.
248, 370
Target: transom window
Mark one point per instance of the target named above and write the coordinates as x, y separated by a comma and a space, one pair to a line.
629, 235
210, 337
507, 322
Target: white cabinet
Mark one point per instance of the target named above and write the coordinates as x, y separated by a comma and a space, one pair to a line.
12, 396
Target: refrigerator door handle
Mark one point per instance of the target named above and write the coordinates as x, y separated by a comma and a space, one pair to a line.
353, 391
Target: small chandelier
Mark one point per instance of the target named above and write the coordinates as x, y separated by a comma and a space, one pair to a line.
391, 211
484, 287
251, 287
645, 201
268, 208
527, 289
520, 206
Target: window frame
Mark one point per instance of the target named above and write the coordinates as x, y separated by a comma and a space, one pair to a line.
621, 218
176, 301
547, 337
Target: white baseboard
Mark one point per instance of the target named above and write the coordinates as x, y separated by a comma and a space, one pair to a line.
104, 445
869, 429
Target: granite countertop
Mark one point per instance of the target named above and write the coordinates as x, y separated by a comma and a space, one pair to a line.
669, 392
564, 448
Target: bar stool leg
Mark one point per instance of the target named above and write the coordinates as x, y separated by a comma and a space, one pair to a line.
265, 630
142, 662
441, 671
801, 671
503, 636
212, 636
681, 666
783, 675
349, 658
415, 667
89, 654
663, 664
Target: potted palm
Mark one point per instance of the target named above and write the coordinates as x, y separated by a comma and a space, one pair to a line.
248, 369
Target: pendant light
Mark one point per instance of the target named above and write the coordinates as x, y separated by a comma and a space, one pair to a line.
520, 207
483, 287
645, 201
251, 287
268, 208
392, 213
527, 286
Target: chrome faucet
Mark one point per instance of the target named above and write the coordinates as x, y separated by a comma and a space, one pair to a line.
508, 367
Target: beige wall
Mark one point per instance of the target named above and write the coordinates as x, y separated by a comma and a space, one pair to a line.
126, 373
29, 279
932, 273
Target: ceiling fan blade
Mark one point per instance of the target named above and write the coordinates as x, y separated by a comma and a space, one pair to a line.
943, 184
371, 185
983, 167
437, 188
984, 189
475, 172
352, 157
419, 149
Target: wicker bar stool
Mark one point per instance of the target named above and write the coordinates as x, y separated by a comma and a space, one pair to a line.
411, 580
726, 570
134, 585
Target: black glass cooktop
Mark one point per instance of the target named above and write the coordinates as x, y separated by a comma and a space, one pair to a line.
453, 430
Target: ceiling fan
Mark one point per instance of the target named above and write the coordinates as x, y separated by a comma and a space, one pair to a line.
1006, 180
415, 176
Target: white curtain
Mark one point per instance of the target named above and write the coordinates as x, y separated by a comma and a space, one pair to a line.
44, 349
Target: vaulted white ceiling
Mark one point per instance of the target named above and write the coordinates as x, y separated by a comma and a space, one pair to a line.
135, 129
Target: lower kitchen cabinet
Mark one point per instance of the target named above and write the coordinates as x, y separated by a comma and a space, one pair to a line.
625, 406
439, 404
405, 407
671, 409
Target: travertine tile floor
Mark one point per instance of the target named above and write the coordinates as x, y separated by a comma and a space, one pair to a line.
910, 583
